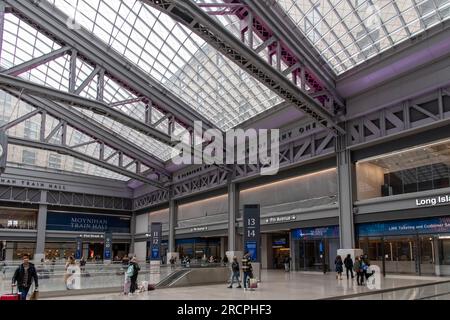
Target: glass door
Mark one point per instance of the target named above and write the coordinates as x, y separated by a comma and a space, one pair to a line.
427, 255
401, 255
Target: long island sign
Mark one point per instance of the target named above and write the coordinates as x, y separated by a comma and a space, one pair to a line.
433, 201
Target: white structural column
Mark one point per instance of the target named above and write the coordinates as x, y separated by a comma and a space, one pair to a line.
346, 175
173, 208
233, 210
132, 232
41, 228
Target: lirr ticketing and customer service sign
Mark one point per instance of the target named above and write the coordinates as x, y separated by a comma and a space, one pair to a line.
252, 231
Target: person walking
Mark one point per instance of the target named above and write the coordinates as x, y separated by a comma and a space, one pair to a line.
235, 273
246, 269
338, 263
134, 275
82, 264
348, 263
23, 276
225, 260
366, 264
72, 271
358, 269
287, 263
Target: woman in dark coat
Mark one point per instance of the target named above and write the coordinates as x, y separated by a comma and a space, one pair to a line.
339, 269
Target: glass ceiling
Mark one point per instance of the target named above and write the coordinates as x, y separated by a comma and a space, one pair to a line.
345, 32
171, 54
18, 156
174, 56
348, 32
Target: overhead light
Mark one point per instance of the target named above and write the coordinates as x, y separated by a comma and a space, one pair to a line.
444, 237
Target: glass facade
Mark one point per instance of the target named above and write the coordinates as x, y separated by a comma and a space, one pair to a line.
18, 219
196, 248
315, 248
14, 250
421, 168
408, 246
347, 33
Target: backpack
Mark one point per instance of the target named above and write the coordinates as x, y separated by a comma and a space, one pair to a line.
130, 271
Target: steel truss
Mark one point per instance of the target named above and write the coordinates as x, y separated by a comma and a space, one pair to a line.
293, 153
62, 198
100, 136
81, 45
280, 40
400, 118
52, 22
189, 14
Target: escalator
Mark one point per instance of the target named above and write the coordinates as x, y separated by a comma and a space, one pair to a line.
172, 278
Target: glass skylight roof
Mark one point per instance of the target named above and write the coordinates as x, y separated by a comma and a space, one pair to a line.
348, 32
345, 32
176, 57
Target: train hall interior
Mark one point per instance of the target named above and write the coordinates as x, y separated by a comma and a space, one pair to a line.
181, 136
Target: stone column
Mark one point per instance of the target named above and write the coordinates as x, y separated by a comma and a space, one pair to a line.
41, 228
233, 211
132, 232
171, 250
346, 188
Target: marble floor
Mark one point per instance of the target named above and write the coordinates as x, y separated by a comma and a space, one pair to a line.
274, 285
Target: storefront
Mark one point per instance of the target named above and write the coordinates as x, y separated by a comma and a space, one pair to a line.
93, 228
196, 248
280, 249
418, 246
18, 219
314, 249
18, 228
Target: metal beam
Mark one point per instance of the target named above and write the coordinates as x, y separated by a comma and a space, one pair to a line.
88, 80
95, 106
64, 150
189, 14
33, 63
53, 20
15, 122
96, 131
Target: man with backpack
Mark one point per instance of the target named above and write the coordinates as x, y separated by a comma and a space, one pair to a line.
235, 273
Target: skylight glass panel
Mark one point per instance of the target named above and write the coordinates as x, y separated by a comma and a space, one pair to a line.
172, 55
348, 32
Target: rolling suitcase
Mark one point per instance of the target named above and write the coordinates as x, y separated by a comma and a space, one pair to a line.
253, 283
12, 296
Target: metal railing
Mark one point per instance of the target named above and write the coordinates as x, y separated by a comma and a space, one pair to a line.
98, 276
428, 291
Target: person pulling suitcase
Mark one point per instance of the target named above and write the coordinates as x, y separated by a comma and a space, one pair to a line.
23, 276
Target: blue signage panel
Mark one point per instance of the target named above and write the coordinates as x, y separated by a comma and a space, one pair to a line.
315, 233
68, 221
252, 231
79, 250
108, 246
155, 241
404, 227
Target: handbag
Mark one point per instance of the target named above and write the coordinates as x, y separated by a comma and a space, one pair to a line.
34, 295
